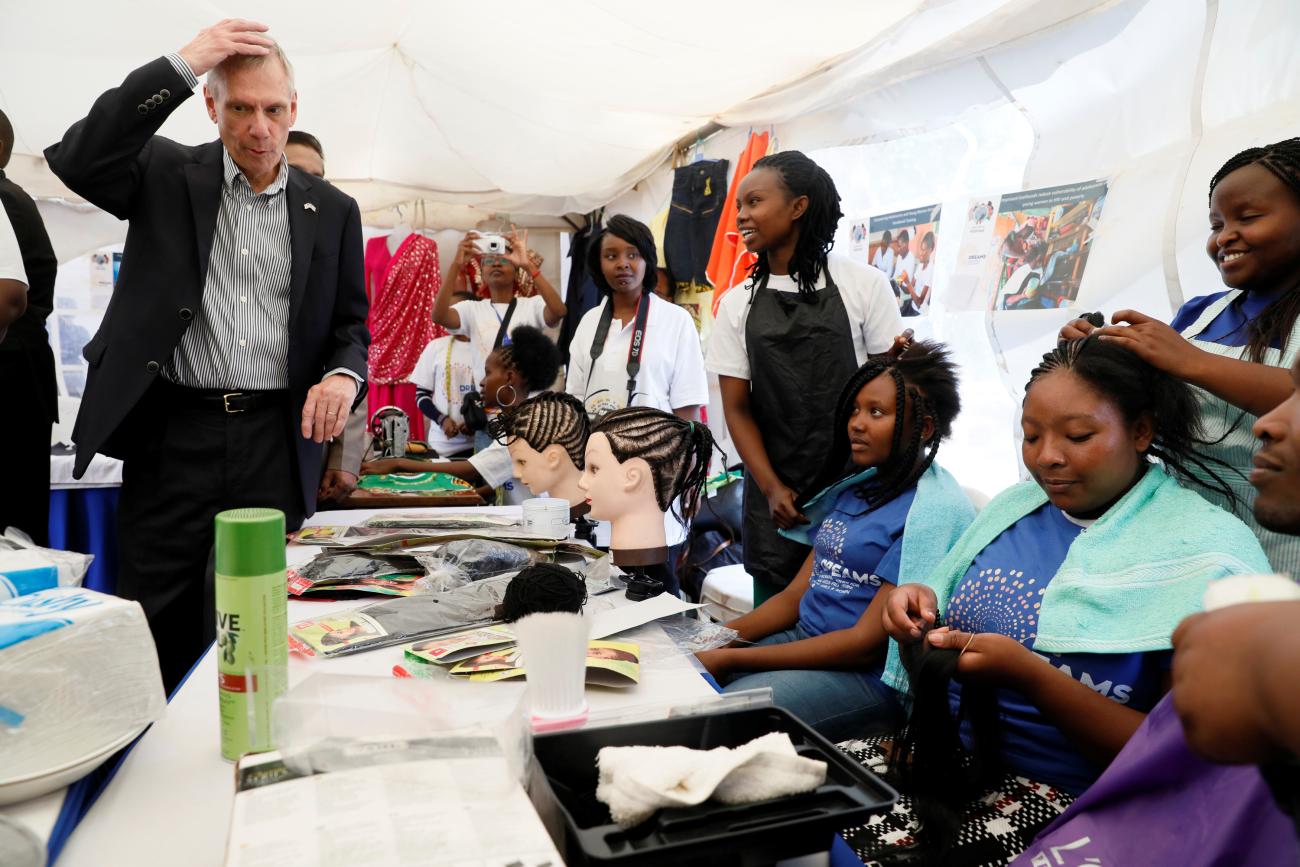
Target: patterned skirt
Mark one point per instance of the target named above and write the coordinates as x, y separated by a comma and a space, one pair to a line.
996, 826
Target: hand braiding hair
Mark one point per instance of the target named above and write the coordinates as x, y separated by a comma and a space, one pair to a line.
1137, 388
550, 418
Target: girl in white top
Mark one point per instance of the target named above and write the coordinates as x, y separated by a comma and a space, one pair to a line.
670, 375
480, 320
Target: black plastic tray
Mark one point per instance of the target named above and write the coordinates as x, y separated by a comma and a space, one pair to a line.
758, 833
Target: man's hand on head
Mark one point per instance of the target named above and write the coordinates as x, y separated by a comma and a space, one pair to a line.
224, 39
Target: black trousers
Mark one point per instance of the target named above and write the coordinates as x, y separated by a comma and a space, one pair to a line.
25, 445
186, 464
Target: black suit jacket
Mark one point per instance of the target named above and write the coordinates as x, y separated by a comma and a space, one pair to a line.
26, 350
170, 193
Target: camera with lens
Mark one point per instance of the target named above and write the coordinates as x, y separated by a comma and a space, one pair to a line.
491, 244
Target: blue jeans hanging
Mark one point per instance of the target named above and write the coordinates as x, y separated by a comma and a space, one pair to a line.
699, 192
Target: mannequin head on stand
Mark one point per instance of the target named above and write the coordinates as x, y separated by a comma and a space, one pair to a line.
640, 463
529, 363
547, 439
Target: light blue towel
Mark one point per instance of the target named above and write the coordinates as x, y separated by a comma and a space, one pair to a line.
940, 513
1127, 580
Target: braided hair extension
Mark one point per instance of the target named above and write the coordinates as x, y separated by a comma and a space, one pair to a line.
802, 177
1275, 323
533, 355
677, 450
1137, 388
550, 418
543, 588
924, 376
637, 234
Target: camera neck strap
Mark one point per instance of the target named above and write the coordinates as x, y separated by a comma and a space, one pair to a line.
634, 348
503, 330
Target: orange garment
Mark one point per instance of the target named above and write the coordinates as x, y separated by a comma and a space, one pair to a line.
729, 261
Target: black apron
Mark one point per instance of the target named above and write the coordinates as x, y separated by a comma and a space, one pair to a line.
800, 353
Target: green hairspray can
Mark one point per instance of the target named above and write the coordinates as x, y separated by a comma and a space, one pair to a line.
252, 626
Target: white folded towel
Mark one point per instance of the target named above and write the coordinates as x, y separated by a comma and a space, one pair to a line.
637, 781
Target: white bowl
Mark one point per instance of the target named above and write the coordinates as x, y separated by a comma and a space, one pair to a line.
34, 785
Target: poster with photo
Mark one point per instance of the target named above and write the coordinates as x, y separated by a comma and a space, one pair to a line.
901, 245
1026, 250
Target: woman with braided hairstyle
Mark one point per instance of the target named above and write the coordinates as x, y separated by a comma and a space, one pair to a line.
1235, 346
888, 515
784, 343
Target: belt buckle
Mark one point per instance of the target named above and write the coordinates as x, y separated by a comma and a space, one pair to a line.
225, 402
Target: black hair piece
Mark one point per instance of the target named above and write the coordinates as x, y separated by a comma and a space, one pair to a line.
924, 376
637, 234
803, 177
533, 355
543, 588
1275, 322
1137, 388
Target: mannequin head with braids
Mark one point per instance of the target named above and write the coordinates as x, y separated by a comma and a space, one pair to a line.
787, 209
1255, 235
892, 414
547, 439
1094, 416
529, 363
640, 463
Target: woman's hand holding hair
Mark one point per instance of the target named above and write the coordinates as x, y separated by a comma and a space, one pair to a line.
1154, 342
909, 610
987, 657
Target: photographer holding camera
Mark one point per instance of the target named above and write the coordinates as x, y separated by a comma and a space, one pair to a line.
488, 322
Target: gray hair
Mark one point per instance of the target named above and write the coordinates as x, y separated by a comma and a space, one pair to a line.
216, 80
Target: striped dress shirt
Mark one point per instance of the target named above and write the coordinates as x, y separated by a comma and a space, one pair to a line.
239, 340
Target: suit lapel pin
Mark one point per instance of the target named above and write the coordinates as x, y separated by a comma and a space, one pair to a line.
308, 206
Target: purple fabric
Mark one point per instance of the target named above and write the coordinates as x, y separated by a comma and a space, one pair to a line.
1158, 804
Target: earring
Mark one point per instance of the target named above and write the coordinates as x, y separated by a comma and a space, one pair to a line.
513, 395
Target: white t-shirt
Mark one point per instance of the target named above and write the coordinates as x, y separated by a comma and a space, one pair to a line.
672, 365
480, 319
431, 374
493, 464
924, 276
868, 300
905, 266
884, 261
11, 258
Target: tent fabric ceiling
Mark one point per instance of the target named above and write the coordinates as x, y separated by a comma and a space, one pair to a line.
517, 108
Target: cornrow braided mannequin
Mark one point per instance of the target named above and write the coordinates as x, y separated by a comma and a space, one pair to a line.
1276, 321
550, 418
678, 452
803, 177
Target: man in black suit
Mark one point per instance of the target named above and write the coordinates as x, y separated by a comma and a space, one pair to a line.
27, 366
235, 342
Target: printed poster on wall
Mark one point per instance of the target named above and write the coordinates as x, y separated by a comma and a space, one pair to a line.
901, 245
1026, 250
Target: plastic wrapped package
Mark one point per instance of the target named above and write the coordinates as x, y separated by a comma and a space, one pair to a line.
72, 567
696, 636
79, 678
463, 561
331, 722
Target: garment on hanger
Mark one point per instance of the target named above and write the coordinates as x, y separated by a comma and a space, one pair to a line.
402, 289
729, 261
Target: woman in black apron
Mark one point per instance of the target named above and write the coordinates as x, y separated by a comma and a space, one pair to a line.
800, 349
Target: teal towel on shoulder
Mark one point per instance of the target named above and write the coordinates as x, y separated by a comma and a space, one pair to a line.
940, 513
1127, 580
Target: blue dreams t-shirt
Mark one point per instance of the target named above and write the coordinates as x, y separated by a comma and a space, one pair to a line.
1231, 326
854, 549
1002, 592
